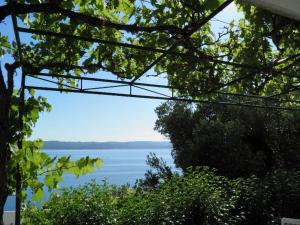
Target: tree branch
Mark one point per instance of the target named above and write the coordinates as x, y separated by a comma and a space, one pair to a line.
67, 67
2, 83
10, 78
101, 22
281, 61
50, 8
48, 66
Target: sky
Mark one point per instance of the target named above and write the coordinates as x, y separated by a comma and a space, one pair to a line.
79, 117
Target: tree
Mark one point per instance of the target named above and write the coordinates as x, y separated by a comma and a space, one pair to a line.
158, 173
259, 55
260, 52
266, 48
239, 142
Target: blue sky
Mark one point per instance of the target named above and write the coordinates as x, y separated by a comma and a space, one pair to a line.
77, 117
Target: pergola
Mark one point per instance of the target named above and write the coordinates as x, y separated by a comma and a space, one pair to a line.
101, 86
151, 91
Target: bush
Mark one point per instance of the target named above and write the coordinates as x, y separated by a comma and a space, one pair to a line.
89, 204
265, 201
198, 197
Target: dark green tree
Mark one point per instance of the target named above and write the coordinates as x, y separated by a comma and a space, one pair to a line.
237, 141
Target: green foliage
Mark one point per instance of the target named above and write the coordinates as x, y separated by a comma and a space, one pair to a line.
199, 197
88, 204
159, 173
236, 141
33, 162
196, 198
261, 41
5, 45
266, 44
267, 200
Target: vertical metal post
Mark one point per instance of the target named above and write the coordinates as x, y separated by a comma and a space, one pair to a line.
20, 146
130, 89
21, 113
18, 196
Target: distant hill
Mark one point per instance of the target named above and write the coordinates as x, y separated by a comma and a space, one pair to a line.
106, 145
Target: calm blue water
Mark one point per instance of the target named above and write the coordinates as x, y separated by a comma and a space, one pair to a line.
123, 166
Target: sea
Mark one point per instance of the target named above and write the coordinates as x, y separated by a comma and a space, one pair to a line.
120, 166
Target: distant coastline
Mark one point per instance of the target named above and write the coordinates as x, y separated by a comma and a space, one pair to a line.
107, 145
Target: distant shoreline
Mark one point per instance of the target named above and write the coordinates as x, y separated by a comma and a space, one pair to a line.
52, 145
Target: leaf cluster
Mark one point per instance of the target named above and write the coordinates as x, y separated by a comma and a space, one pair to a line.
40, 171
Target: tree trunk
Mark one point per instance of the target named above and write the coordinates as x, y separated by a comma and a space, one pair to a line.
6, 91
3, 198
3, 182
4, 157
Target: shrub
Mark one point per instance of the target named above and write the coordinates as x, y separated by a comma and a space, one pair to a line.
198, 197
195, 198
265, 201
89, 204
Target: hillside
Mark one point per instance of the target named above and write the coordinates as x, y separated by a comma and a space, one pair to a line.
106, 145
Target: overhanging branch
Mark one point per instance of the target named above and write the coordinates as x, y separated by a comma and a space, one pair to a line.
51, 8
2, 83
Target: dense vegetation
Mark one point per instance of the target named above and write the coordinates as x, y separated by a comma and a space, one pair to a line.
199, 197
238, 141
259, 55
256, 179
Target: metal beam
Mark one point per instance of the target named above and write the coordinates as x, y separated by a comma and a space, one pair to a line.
98, 79
160, 98
139, 85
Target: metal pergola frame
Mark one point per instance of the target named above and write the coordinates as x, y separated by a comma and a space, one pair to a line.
108, 86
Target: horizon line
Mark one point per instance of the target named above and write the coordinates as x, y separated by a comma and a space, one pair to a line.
106, 141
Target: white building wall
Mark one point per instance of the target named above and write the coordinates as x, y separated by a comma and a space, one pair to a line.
287, 8
9, 217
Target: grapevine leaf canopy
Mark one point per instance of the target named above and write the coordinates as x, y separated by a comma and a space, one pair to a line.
259, 55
